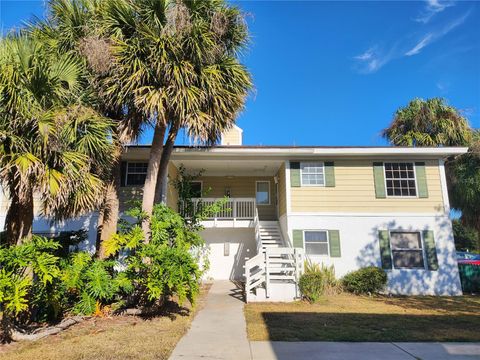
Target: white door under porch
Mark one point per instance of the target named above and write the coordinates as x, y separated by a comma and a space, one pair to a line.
228, 248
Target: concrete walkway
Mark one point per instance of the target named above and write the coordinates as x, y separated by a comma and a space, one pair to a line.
219, 332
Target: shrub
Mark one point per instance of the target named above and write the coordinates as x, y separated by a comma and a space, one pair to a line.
166, 265
311, 286
368, 280
317, 280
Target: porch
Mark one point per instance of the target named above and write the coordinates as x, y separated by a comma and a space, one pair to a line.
244, 238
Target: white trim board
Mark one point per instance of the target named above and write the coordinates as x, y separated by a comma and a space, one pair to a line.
369, 214
443, 182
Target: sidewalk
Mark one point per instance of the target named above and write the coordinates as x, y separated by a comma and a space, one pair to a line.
219, 332
280, 350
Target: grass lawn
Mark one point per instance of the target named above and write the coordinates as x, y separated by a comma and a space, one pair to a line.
118, 337
347, 317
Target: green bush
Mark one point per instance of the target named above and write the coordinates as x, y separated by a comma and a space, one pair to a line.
311, 286
318, 280
368, 280
166, 265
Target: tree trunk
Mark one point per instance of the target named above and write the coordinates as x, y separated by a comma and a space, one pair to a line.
152, 175
108, 217
19, 218
160, 190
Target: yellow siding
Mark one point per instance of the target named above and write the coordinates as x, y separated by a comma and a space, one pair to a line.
232, 136
240, 186
172, 194
282, 191
355, 192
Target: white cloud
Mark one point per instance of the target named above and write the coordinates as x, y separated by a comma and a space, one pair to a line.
373, 59
420, 45
442, 86
367, 55
433, 36
432, 8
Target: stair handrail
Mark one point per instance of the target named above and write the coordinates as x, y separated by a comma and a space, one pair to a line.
256, 223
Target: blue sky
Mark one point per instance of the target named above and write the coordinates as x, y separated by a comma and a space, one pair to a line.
333, 73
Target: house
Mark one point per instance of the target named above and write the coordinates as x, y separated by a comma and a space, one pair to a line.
349, 207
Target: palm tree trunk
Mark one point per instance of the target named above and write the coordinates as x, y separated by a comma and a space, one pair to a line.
152, 175
19, 218
108, 217
160, 190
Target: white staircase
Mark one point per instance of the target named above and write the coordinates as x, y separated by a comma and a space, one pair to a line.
270, 234
272, 275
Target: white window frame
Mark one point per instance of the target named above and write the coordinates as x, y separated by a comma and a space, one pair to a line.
328, 243
320, 163
269, 192
201, 186
127, 172
421, 243
414, 179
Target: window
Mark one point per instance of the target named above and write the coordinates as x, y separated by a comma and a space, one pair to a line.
196, 189
263, 192
312, 173
407, 250
316, 242
136, 173
400, 179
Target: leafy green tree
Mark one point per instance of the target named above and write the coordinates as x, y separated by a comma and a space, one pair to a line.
434, 123
466, 239
428, 122
464, 179
52, 144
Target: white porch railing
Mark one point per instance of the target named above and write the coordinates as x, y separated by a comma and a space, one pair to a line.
232, 209
282, 264
273, 265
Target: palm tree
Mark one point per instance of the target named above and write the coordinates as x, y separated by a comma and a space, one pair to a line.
51, 143
74, 26
428, 122
176, 61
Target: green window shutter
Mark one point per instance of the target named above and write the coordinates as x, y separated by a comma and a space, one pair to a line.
430, 250
379, 178
297, 238
334, 243
329, 174
123, 173
295, 174
385, 251
421, 179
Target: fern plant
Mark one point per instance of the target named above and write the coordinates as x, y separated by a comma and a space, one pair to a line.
165, 266
27, 274
92, 282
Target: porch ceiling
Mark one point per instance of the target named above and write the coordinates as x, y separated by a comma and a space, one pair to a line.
232, 167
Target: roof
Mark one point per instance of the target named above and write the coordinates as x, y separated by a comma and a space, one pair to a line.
281, 150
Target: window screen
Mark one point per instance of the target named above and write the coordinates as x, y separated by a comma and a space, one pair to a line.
407, 250
316, 242
263, 193
136, 173
312, 173
400, 179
